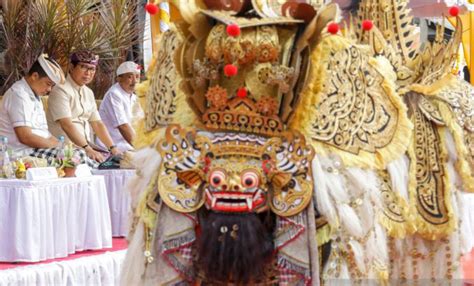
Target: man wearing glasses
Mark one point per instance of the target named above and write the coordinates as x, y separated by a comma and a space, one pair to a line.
72, 111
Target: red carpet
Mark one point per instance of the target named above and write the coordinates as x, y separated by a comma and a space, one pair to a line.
117, 244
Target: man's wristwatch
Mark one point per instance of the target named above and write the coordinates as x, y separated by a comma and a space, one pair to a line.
112, 147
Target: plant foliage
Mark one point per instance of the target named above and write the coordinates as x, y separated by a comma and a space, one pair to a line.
107, 27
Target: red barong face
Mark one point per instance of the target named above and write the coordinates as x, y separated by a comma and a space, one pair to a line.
236, 185
235, 172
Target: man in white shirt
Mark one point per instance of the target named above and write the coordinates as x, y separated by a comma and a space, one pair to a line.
119, 107
22, 117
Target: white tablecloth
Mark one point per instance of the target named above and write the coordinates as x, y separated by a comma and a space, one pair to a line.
119, 198
96, 270
42, 220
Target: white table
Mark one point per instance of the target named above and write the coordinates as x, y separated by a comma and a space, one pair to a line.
41, 220
97, 270
119, 198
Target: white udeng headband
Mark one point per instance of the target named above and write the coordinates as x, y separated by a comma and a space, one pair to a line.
52, 69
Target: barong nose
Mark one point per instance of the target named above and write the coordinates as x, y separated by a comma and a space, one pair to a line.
234, 183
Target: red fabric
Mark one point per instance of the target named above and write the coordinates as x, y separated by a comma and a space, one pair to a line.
468, 268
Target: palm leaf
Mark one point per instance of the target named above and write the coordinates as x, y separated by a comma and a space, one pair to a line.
109, 28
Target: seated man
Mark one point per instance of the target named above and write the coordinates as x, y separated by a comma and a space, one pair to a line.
22, 117
72, 110
118, 106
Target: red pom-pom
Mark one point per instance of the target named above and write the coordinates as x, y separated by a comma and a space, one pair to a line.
233, 30
367, 25
151, 8
333, 28
454, 11
242, 92
230, 70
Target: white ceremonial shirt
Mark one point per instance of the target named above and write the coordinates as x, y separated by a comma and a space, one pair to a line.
70, 100
21, 107
118, 107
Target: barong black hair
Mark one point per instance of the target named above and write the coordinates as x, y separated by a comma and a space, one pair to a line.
234, 247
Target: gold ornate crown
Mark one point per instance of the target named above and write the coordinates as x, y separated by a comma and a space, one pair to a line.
243, 114
238, 144
239, 73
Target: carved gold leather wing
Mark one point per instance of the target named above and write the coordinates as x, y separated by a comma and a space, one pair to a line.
429, 185
161, 95
395, 215
456, 99
350, 105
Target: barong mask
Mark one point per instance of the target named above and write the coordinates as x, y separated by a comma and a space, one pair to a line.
234, 173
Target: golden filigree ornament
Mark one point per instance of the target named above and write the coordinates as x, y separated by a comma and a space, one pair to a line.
439, 103
395, 22
241, 49
429, 184
258, 65
254, 44
395, 215
267, 106
231, 173
461, 100
217, 96
273, 9
359, 112
203, 70
160, 99
291, 193
430, 111
242, 114
281, 76
213, 49
179, 171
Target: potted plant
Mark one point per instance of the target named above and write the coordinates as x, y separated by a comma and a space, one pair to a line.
70, 161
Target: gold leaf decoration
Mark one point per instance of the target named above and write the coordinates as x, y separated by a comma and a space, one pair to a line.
393, 19
395, 215
160, 98
429, 185
358, 113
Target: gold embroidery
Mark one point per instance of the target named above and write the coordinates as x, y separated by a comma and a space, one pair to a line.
429, 184
430, 111
254, 44
461, 100
283, 164
241, 114
179, 154
394, 21
160, 98
395, 216
352, 114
